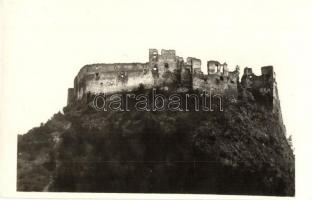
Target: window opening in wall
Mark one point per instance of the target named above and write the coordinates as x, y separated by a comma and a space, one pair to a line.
154, 56
97, 76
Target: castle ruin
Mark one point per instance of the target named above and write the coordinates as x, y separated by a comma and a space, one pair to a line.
167, 70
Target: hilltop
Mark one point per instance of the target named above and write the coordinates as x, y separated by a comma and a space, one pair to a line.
241, 150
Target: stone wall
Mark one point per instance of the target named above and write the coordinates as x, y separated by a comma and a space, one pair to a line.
109, 78
195, 63
167, 69
215, 67
263, 87
218, 80
218, 84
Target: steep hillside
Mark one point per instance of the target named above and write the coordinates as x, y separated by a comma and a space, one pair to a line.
241, 150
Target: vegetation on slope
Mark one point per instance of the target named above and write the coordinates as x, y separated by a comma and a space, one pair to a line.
241, 150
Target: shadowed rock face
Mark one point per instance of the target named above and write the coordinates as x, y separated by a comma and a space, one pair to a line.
242, 150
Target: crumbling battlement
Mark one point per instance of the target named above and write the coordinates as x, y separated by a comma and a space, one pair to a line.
218, 79
263, 84
263, 87
167, 70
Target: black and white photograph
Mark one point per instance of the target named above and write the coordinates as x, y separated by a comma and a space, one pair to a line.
182, 99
